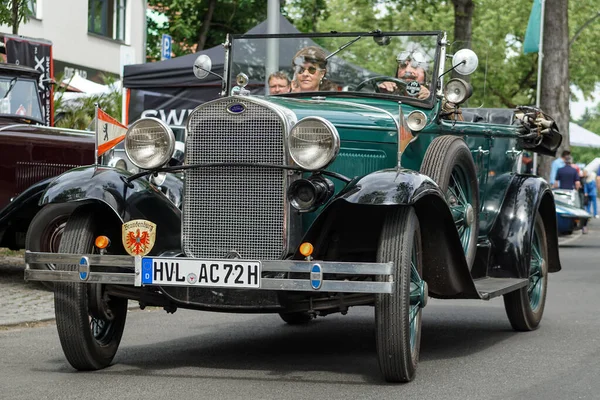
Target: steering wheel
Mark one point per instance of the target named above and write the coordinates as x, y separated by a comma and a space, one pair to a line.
375, 81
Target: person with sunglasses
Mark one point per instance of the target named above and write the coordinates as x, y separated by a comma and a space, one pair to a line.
310, 67
411, 68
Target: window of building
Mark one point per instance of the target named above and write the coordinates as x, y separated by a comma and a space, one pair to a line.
107, 18
35, 8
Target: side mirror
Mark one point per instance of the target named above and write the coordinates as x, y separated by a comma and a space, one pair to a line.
202, 66
465, 61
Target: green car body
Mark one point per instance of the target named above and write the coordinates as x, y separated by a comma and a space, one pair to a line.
315, 201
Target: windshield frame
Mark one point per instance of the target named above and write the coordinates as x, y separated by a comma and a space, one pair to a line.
35, 91
438, 63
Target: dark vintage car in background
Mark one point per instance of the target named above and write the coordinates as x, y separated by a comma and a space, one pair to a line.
308, 203
31, 155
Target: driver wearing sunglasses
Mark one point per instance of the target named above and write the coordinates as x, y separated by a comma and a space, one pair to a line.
412, 66
310, 67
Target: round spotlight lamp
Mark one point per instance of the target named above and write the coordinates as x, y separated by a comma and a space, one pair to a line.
149, 143
416, 120
313, 143
457, 91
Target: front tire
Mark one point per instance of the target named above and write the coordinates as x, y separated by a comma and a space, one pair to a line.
45, 231
525, 307
296, 318
398, 315
449, 163
89, 339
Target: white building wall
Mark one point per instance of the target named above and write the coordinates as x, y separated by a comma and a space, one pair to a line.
65, 24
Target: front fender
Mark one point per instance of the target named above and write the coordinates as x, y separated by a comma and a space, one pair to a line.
512, 233
349, 228
138, 200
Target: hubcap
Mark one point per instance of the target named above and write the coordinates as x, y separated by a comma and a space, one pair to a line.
459, 199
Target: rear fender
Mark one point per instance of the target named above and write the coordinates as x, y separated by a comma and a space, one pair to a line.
512, 233
105, 186
349, 228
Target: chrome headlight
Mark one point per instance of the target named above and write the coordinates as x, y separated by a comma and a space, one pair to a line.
149, 143
457, 91
313, 143
416, 120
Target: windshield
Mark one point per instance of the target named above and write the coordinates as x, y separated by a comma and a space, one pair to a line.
401, 65
19, 97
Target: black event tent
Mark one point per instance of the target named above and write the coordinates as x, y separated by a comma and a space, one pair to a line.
168, 89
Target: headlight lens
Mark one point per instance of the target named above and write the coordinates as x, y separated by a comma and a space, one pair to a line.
313, 143
149, 143
457, 91
416, 121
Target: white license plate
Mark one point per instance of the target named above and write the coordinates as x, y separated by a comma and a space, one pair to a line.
195, 272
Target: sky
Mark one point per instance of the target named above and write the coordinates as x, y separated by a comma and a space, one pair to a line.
578, 107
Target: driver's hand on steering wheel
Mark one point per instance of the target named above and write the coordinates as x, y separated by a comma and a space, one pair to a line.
391, 87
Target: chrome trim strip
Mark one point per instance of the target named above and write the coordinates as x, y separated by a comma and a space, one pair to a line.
51, 129
64, 258
265, 283
329, 267
73, 276
368, 107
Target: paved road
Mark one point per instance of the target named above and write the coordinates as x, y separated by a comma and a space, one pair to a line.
469, 351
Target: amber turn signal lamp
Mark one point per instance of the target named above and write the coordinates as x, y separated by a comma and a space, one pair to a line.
102, 242
306, 249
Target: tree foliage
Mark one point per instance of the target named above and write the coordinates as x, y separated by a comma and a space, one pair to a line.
13, 13
196, 25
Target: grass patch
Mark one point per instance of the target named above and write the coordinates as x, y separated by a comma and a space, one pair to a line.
11, 253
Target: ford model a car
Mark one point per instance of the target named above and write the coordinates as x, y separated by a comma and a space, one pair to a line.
366, 185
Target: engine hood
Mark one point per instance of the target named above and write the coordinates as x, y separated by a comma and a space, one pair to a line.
352, 120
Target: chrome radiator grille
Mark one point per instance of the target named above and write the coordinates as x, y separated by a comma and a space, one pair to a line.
229, 210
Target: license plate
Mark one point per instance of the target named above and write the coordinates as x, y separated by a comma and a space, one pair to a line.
195, 272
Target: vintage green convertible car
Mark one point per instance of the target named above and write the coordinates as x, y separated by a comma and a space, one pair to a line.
371, 189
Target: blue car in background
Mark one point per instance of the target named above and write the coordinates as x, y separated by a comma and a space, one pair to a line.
570, 214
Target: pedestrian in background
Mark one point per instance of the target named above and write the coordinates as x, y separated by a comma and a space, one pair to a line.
590, 191
556, 164
567, 177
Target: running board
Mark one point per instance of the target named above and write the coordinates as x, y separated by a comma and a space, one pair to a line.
493, 287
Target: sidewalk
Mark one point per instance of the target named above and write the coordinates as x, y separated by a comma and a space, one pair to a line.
21, 301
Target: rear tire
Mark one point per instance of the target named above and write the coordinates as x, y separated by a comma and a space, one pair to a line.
448, 161
89, 341
525, 307
398, 315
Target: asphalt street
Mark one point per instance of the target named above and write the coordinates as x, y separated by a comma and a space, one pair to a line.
468, 350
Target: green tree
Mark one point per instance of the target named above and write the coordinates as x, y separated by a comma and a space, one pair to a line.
196, 25
13, 12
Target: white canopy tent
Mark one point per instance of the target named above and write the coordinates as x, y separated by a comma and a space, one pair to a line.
579, 136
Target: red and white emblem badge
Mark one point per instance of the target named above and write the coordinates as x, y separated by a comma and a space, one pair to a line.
139, 236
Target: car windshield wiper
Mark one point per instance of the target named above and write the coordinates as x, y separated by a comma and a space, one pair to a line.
12, 83
378, 38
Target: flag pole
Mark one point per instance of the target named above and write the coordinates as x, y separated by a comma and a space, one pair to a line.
538, 94
96, 135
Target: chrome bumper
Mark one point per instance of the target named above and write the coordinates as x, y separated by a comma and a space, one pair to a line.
91, 272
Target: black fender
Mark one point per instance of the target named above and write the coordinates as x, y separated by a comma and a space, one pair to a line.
106, 188
348, 228
512, 233
17, 215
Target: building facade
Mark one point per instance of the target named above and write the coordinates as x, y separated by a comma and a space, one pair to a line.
90, 37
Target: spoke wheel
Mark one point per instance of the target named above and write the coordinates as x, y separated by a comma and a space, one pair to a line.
398, 315
525, 307
89, 336
449, 163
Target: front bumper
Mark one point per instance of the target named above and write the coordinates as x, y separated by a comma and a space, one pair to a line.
322, 276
